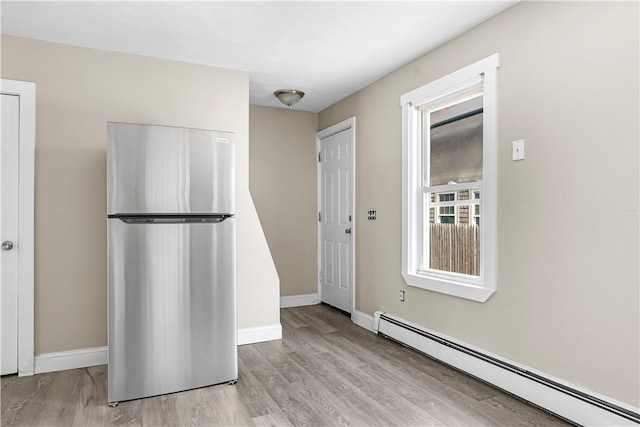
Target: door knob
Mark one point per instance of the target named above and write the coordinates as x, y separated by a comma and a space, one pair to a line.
348, 231
7, 245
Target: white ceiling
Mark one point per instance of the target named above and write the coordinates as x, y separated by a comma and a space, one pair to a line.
328, 49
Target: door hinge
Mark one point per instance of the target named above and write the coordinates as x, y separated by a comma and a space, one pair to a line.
319, 216
319, 157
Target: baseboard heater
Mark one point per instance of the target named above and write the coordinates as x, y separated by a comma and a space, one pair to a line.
563, 400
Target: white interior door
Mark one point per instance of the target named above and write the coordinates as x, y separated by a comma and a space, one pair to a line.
336, 225
9, 232
17, 173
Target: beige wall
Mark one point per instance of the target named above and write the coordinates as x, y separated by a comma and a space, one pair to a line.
568, 280
78, 91
282, 180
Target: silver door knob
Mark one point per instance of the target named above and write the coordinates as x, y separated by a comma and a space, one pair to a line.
7, 245
348, 231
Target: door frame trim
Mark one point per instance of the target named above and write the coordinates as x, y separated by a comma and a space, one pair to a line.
349, 123
26, 184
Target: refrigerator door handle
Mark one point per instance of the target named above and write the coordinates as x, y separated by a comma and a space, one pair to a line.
174, 220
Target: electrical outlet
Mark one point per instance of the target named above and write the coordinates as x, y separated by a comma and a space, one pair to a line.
371, 215
401, 296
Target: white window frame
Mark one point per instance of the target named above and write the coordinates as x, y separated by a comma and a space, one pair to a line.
470, 287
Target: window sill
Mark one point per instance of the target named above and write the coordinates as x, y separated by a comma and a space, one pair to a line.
449, 287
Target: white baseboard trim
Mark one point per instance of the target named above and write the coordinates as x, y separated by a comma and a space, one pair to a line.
83, 358
363, 320
299, 300
259, 334
558, 396
73, 359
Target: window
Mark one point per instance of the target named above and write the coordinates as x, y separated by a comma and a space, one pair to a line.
449, 183
446, 213
476, 208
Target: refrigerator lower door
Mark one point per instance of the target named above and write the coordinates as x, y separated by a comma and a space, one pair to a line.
172, 307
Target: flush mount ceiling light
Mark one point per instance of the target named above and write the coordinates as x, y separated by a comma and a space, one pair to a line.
289, 96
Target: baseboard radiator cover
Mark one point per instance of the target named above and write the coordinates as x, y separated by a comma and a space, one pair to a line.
556, 396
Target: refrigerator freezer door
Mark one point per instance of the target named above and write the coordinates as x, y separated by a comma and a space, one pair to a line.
172, 300
169, 170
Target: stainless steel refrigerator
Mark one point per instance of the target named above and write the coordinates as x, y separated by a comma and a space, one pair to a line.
171, 260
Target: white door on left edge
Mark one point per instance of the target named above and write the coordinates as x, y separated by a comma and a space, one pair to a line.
9, 232
336, 229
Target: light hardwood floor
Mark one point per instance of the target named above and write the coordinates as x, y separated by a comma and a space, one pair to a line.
325, 371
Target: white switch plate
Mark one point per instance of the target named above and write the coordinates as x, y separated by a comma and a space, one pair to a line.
518, 149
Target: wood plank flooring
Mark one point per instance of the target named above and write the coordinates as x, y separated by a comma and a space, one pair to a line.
326, 371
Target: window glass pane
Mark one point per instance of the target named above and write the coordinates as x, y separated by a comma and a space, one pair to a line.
455, 247
454, 237
453, 146
455, 143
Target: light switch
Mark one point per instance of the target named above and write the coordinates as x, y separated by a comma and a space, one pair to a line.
518, 149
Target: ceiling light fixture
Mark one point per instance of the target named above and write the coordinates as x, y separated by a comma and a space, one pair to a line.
289, 96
